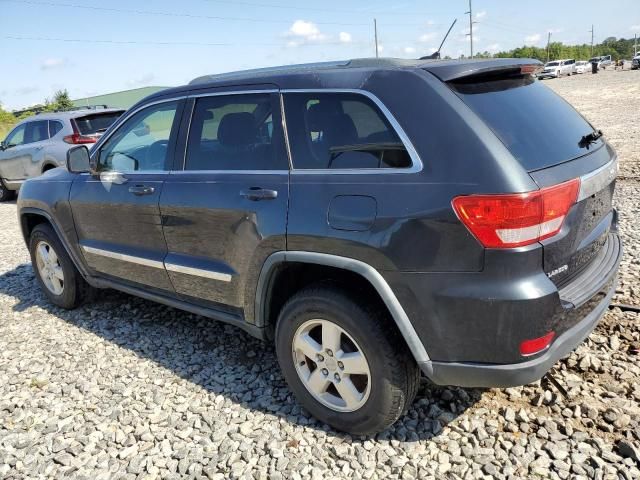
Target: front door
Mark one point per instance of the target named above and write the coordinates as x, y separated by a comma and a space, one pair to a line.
12, 157
225, 207
116, 210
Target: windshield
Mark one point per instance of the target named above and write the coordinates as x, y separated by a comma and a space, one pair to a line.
552, 64
539, 127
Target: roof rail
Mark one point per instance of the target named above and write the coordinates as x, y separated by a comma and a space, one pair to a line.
73, 109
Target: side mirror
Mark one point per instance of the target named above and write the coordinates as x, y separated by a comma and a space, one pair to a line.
78, 160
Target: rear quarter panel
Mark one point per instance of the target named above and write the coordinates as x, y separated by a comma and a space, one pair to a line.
415, 227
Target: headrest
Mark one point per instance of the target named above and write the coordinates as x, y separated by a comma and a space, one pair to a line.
237, 129
318, 116
341, 130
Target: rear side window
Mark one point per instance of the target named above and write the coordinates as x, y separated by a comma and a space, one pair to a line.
36, 131
54, 127
341, 131
236, 132
539, 127
96, 123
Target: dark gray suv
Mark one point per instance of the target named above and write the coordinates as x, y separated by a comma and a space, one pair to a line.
374, 219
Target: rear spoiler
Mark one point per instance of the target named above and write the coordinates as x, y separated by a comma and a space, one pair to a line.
450, 70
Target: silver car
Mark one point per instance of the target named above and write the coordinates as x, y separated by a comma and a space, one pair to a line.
40, 143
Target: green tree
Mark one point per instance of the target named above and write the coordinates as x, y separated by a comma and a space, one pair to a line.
60, 101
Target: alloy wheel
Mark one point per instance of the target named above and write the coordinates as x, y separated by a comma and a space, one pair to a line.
331, 365
49, 268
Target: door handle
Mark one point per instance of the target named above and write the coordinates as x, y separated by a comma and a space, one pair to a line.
256, 193
140, 190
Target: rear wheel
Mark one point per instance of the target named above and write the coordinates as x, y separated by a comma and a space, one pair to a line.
57, 275
346, 364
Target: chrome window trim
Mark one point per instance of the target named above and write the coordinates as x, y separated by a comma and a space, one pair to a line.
595, 181
123, 257
416, 161
219, 172
198, 272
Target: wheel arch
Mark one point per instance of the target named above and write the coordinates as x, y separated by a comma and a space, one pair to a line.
263, 317
48, 166
31, 217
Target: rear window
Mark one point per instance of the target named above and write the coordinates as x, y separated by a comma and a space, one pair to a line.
538, 127
96, 123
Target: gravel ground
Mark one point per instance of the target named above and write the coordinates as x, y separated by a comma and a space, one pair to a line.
124, 388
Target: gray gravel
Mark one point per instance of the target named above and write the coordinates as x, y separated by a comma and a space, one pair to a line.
125, 388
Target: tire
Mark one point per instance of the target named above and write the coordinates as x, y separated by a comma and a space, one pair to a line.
393, 378
74, 289
5, 193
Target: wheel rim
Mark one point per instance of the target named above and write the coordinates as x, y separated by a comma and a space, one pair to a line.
331, 365
49, 268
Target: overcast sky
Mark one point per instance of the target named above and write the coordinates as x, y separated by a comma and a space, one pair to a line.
92, 47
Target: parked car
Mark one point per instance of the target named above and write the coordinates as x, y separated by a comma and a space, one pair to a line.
557, 68
602, 61
40, 143
635, 63
582, 66
372, 218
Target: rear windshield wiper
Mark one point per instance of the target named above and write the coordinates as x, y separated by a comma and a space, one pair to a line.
590, 138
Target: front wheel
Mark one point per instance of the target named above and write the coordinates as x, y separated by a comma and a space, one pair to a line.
346, 363
57, 275
5, 193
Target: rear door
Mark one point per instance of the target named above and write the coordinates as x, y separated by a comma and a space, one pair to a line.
116, 211
224, 208
553, 143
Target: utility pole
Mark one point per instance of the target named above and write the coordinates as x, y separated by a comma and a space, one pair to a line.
548, 42
635, 45
375, 33
471, 22
591, 40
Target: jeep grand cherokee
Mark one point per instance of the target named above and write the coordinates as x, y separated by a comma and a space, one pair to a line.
374, 219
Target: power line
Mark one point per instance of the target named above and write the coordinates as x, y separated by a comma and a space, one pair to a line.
168, 14
197, 16
329, 10
149, 42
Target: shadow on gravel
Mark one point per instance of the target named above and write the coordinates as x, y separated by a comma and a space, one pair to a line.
222, 359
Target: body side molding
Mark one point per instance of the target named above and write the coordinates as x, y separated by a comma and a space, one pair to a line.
367, 271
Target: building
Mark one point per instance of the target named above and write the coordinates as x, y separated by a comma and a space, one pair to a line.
124, 99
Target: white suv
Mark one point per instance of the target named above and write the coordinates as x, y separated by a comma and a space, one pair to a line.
558, 68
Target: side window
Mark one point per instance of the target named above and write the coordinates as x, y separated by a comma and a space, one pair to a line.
235, 132
141, 142
341, 131
16, 137
54, 127
36, 131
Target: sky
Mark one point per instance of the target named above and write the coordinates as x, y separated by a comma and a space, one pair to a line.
93, 47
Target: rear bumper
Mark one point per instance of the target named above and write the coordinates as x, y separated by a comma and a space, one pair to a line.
487, 375
472, 324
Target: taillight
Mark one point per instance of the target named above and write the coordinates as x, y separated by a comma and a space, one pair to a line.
536, 345
78, 139
515, 220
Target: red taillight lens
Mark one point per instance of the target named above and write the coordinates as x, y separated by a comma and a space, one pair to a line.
78, 139
536, 345
515, 220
